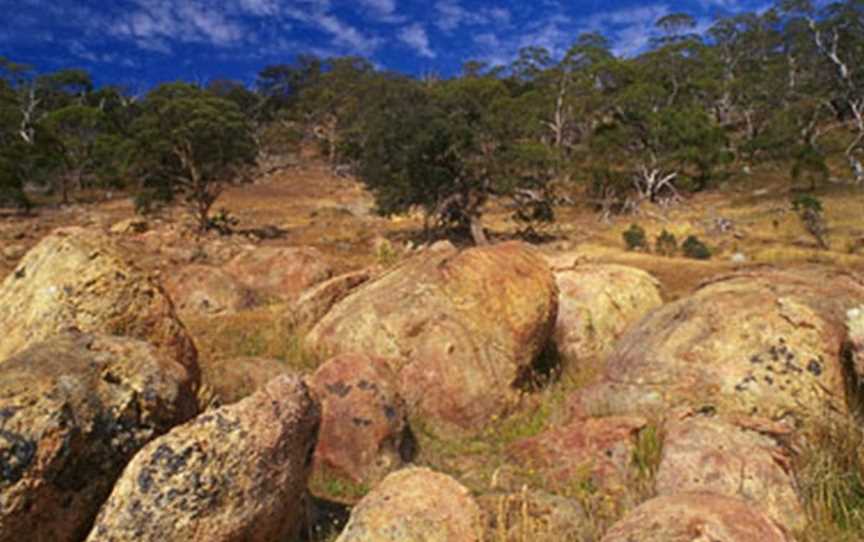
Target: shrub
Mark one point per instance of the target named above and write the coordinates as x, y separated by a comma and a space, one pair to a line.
696, 249
809, 210
635, 238
223, 222
666, 244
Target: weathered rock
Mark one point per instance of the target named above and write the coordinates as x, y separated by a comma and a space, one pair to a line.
415, 505
280, 272
78, 279
460, 329
599, 450
230, 380
855, 341
207, 290
73, 412
759, 345
597, 303
130, 226
235, 473
737, 458
364, 434
317, 301
690, 517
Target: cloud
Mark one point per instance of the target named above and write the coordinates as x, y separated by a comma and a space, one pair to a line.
451, 15
415, 37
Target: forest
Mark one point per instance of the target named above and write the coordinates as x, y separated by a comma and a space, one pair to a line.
783, 86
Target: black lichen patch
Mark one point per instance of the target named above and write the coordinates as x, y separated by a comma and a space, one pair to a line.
339, 389
361, 422
815, 367
16, 454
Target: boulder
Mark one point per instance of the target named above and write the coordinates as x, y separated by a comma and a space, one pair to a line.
130, 226
599, 450
282, 273
228, 380
317, 301
207, 290
235, 473
415, 505
73, 412
596, 304
763, 345
460, 329
364, 434
738, 458
78, 279
690, 517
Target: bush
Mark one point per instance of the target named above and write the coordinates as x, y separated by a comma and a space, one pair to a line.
635, 238
666, 244
809, 211
223, 222
696, 249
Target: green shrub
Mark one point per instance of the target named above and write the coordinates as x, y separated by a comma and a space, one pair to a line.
635, 238
809, 210
696, 249
666, 244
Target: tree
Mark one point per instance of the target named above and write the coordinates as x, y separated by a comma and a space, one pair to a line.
75, 129
193, 140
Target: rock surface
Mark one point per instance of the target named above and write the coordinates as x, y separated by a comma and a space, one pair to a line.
207, 290
599, 450
461, 329
78, 279
317, 301
228, 380
235, 473
737, 458
415, 505
364, 433
280, 272
596, 304
762, 345
691, 517
73, 412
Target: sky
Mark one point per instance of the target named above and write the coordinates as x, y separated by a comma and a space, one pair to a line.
143, 42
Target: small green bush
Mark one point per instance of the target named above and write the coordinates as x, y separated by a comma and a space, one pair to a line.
635, 238
809, 210
696, 249
666, 244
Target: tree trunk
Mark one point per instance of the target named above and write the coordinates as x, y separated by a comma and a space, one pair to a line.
477, 232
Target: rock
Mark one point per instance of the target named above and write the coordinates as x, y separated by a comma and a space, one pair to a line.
364, 434
229, 380
599, 449
207, 290
280, 272
235, 473
13, 252
461, 330
415, 505
855, 343
317, 301
690, 517
78, 279
737, 458
597, 303
73, 412
130, 226
763, 345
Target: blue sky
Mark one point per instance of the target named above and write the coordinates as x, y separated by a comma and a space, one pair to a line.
146, 41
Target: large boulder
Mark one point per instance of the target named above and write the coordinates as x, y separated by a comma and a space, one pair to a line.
595, 450
282, 273
740, 458
597, 303
207, 290
79, 279
415, 505
73, 412
691, 517
461, 329
364, 433
235, 473
764, 345
315, 302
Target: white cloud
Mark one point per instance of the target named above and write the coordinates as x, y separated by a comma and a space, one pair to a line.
451, 15
415, 37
